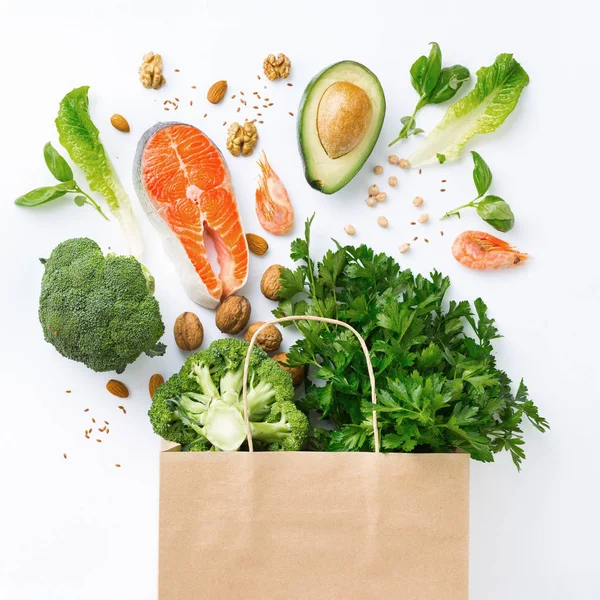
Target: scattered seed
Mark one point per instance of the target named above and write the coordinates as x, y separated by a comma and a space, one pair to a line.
106, 422
259, 114
85, 409
441, 233
205, 115
444, 180
93, 420
381, 197
290, 84
258, 96
193, 87
99, 441
255, 107
254, 93
426, 240
224, 122
265, 106
191, 103
258, 77
413, 222
393, 159
266, 99
68, 391
392, 181
403, 163
291, 114
420, 171
238, 109
378, 170
102, 429
350, 230
176, 99
117, 465
443, 190
123, 409
241, 93
261, 122
415, 238
107, 431
166, 108
233, 97
64, 456
270, 104
373, 190
417, 201
371, 201
382, 222
404, 247
423, 218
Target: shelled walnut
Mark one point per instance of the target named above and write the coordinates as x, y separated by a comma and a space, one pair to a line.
276, 67
242, 140
151, 71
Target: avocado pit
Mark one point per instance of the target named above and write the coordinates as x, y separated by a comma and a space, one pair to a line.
343, 118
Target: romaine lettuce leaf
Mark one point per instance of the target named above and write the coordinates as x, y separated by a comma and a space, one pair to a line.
483, 110
80, 138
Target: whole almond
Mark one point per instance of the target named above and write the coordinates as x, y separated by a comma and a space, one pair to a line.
154, 382
120, 122
257, 244
216, 92
117, 388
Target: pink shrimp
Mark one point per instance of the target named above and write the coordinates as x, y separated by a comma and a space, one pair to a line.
273, 207
480, 250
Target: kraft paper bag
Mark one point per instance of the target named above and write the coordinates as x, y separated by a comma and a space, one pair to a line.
312, 525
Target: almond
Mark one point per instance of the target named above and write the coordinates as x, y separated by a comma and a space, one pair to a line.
120, 122
155, 381
216, 92
257, 244
117, 388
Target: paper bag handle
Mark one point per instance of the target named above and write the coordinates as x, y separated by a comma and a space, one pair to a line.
307, 318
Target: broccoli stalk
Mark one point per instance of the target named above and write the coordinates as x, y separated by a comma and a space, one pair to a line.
201, 407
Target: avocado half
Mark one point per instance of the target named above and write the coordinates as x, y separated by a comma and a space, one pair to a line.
339, 121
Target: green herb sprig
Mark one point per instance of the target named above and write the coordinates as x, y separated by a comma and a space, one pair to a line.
62, 172
492, 209
438, 385
434, 85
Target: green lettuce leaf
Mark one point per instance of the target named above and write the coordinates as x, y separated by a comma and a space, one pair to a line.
483, 110
80, 138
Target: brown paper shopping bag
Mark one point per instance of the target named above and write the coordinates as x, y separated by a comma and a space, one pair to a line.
313, 525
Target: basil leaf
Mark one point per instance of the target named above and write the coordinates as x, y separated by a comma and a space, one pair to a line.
496, 212
482, 176
56, 164
433, 71
449, 82
44, 194
417, 73
416, 131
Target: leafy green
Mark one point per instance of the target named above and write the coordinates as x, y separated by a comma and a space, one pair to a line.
80, 137
492, 209
61, 170
438, 385
483, 110
433, 84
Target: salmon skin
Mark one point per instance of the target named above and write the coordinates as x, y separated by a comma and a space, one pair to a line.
184, 185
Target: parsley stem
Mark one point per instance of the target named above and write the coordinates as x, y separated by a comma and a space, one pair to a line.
455, 211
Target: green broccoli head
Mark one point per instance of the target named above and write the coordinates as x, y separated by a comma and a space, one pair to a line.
202, 405
98, 310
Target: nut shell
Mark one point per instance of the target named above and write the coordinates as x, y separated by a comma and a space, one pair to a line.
297, 373
269, 339
269, 284
188, 331
233, 314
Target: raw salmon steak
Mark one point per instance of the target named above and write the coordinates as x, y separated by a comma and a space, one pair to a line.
184, 185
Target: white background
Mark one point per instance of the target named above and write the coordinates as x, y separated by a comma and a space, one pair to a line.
81, 528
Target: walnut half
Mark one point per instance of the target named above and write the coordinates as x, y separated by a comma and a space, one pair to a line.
242, 140
151, 71
276, 67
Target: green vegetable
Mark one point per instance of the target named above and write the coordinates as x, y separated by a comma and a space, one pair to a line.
98, 310
483, 110
61, 170
492, 209
438, 385
80, 137
201, 407
433, 84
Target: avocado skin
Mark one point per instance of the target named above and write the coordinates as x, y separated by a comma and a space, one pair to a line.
317, 184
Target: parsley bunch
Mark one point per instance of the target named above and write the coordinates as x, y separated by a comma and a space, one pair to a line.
438, 386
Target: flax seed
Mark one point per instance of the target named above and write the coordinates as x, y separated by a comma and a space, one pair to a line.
270, 104
241, 93
233, 97
123, 409
224, 122
205, 115
64, 456
193, 87
415, 238
441, 233
261, 122
106, 422
166, 108
68, 391
176, 70
259, 114
176, 99
107, 430
444, 180
258, 77
290, 84
420, 171
291, 114
443, 190
93, 420
255, 107
191, 102
117, 465
238, 109
426, 240
99, 441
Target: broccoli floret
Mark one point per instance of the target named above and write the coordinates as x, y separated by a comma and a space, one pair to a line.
202, 405
98, 310
286, 428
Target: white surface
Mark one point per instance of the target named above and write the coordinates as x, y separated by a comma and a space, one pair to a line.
81, 528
